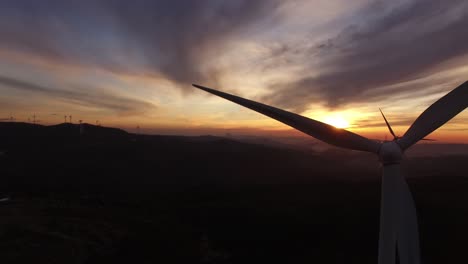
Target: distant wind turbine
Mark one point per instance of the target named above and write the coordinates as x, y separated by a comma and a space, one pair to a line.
398, 220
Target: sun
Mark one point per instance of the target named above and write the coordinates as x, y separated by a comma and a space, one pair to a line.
337, 121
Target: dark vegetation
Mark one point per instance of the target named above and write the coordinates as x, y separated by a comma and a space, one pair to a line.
106, 196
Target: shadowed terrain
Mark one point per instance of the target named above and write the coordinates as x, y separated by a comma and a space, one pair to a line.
106, 196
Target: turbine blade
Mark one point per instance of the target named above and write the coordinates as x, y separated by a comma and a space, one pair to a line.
321, 131
436, 115
388, 125
398, 220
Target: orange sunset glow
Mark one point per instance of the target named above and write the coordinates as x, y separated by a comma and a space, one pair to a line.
125, 71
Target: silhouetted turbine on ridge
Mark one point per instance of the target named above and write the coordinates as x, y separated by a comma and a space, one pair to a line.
398, 221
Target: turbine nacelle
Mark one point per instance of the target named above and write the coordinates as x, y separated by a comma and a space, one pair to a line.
390, 153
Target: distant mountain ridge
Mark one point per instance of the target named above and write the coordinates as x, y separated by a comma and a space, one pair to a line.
59, 157
65, 130
19, 128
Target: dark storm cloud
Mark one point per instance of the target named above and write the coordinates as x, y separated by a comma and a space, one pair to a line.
395, 44
173, 38
118, 104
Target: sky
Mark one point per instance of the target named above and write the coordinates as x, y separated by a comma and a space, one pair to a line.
131, 64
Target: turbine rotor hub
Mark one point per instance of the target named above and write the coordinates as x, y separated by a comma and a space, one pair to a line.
390, 153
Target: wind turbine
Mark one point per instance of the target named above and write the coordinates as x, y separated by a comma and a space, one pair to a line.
398, 221
395, 137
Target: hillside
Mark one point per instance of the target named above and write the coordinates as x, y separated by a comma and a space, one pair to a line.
107, 196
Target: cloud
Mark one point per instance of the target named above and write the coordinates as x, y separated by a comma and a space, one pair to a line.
389, 48
118, 104
176, 39
391, 43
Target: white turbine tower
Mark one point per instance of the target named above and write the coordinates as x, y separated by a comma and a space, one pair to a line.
398, 221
